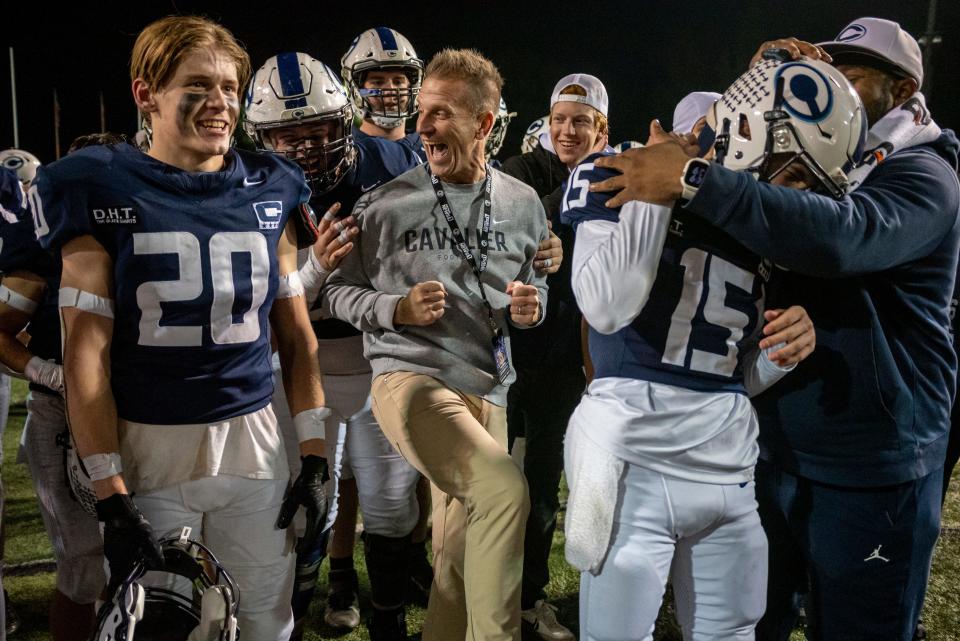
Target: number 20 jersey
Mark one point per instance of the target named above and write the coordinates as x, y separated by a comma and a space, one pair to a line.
703, 307
195, 272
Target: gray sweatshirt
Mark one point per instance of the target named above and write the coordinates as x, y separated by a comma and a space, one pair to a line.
404, 240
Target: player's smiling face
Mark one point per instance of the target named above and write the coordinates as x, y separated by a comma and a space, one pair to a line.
573, 131
194, 115
451, 132
391, 82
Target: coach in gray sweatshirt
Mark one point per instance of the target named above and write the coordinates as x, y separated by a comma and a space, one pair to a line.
438, 340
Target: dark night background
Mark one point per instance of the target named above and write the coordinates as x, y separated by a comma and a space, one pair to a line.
649, 54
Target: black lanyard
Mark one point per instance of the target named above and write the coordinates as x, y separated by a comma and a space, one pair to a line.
461, 242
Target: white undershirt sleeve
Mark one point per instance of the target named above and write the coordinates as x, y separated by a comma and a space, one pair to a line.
615, 264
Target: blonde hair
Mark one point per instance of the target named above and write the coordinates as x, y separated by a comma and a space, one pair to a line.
481, 77
163, 44
603, 123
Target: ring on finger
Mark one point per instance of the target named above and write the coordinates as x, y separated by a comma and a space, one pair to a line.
548, 262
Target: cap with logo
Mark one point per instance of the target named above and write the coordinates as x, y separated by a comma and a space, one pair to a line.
878, 43
596, 93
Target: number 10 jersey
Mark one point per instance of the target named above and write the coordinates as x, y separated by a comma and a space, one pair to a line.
195, 272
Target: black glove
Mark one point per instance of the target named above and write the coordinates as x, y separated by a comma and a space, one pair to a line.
127, 537
307, 491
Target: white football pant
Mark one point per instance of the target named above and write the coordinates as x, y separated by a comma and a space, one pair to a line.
707, 538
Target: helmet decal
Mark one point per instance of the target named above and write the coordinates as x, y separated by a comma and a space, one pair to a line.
291, 80
806, 92
387, 40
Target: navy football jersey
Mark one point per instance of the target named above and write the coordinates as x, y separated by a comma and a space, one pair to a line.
705, 303
411, 141
195, 272
19, 248
378, 162
20, 251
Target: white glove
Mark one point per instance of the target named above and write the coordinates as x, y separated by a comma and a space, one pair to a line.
46, 373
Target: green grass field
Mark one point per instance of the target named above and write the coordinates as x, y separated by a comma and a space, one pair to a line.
26, 542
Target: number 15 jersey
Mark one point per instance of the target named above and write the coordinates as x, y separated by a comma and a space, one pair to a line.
195, 272
702, 309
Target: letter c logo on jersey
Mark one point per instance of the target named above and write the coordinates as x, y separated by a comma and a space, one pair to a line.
806, 92
268, 213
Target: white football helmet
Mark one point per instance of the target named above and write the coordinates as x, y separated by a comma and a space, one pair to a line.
22, 163
379, 49
146, 613
292, 90
531, 137
499, 131
805, 108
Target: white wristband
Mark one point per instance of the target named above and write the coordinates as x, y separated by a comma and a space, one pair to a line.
312, 274
312, 277
311, 423
102, 466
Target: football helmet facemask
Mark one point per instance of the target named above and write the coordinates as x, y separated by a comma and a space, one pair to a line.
499, 130
145, 613
782, 111
22, 163
382, 49
296, 106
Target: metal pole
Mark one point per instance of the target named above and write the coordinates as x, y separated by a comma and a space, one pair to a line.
928, 40
56, 123
13, 98
103, 114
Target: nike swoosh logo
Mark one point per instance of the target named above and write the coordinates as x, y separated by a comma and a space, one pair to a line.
498, 222
365, 188
247, 182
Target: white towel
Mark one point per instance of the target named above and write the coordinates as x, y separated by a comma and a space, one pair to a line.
593, 476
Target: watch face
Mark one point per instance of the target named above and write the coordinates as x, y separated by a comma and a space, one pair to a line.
696, 173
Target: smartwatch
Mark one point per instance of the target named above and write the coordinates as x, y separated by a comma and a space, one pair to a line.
693, 174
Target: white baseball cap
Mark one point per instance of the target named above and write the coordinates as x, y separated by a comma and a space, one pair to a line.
596, 93
692, 108
875, 42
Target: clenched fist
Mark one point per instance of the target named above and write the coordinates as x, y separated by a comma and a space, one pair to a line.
422, 305
524, 303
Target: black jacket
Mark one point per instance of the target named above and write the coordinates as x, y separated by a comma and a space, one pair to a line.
556, 342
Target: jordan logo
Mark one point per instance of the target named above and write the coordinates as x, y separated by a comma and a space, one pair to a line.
876, 555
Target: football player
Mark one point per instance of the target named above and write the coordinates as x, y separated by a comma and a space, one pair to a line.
667, 426
382, 72
298, 108
176, 264
28, 291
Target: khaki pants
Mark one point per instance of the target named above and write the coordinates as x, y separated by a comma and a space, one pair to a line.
480, 503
